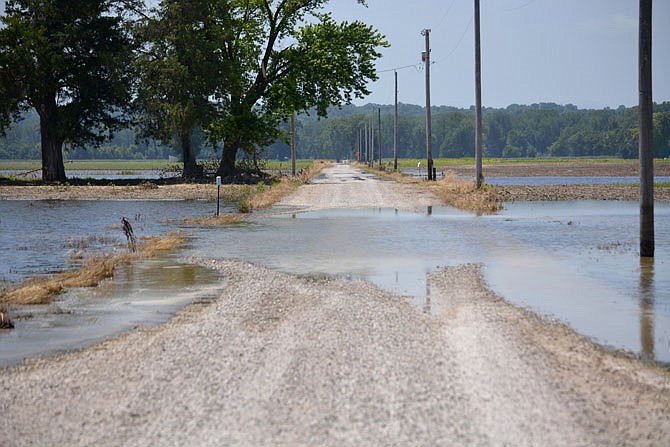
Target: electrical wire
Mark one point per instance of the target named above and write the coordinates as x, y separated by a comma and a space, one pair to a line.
444, 16
521, 6
398, 68
453, 50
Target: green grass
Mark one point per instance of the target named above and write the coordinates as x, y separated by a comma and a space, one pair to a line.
403, 163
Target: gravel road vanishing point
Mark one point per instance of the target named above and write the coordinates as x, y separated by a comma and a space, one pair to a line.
285, 360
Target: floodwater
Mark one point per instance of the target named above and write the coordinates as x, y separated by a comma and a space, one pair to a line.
148, 292
40, 237
574, 261
43, 236
98, 174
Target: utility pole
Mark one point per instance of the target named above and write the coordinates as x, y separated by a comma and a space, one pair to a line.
367, 141
429, 144
372, 139
646, 154
478, 102
379, 133
360, 143
293, 144
395, 126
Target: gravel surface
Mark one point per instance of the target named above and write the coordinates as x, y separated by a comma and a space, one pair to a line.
285, 360
342, 186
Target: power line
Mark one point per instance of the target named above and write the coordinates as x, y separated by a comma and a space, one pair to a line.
457, 43
399, 68
444, 16
521, 6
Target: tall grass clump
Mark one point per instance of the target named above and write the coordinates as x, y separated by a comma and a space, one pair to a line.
264, 196
463, 194
94, 270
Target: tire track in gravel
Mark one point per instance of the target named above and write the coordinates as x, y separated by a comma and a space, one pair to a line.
285, 360
343, 186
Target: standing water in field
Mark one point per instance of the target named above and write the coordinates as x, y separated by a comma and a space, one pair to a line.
42, 237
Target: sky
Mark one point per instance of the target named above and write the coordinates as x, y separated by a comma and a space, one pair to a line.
581, 52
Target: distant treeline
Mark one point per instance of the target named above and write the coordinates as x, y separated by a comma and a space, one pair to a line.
22, 142
546, 129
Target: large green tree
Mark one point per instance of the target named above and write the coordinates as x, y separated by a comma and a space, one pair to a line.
287, 55
68, 60
180, 70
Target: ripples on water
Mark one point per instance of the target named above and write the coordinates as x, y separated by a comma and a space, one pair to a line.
42, 236
38, 237
575, 261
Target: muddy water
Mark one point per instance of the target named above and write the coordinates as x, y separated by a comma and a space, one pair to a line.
574, 261
38, 237
98, 174
41, 236
145, 293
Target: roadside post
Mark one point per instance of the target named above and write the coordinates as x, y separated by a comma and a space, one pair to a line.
218, 195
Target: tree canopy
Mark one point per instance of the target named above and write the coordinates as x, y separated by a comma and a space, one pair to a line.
68, 60
180, 72
282, 62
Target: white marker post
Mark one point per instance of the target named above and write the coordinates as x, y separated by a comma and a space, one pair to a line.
218, 189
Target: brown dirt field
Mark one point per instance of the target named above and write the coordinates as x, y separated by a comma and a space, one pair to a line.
150, 191
566, 169
575, 192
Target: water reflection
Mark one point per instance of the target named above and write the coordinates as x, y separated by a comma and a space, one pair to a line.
427, 308
144, 293
575, 261
647, 307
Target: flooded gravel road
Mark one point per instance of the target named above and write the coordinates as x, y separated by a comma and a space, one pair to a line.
291, 358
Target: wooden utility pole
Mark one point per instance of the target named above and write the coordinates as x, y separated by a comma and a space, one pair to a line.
478, 102
646, 154
367, 141
372, 139
293, 144
429, 144
379, 134
395, 126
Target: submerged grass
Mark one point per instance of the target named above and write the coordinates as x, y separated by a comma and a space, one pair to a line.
212, 221
94, 270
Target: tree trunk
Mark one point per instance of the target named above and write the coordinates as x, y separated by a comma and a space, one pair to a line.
228, 157
53, 169
190, 165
